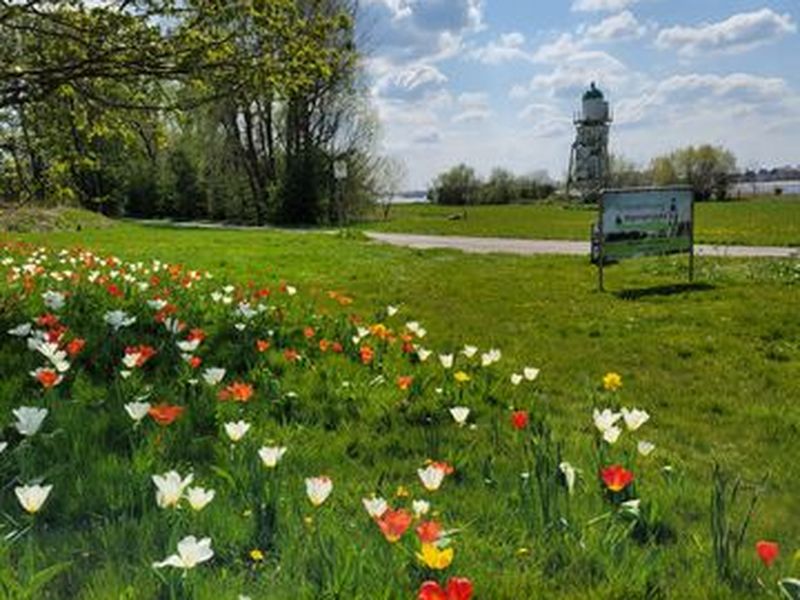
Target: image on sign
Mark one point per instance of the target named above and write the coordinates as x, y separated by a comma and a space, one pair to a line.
646, 223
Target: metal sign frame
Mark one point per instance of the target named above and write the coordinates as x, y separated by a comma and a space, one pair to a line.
598, 241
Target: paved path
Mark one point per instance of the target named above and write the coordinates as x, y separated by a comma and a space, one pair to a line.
482, 245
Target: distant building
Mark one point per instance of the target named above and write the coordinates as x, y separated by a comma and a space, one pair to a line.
589, 163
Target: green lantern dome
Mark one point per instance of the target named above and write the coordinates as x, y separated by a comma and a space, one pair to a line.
593, 93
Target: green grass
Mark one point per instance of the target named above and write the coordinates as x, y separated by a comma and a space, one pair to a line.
763, 222
717, 365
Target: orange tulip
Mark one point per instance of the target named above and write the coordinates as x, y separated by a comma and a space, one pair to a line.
616, 477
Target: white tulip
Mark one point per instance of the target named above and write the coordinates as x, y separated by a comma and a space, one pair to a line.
3, 446
137, 410
291, 290
645, 448
392, 310
516, 379
236, 431
634, 418
118, 319
170, 488
375, 506
611, 435
423, 354
530, 373
191, 552
29, 419
22, 330
32, 497
213, 375
53, 300
570, 475
188, 345
431, 477
460, 414
490, 357
606, 419
446, 360
469, 351
199, 497
420, 508
318, 489
271, 455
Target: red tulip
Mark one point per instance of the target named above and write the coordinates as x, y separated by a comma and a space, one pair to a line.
394, 523
520, 419
458, 588
429, 532
616, 477
767, 552
164, 414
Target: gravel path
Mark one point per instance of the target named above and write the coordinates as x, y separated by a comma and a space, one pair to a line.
483, 245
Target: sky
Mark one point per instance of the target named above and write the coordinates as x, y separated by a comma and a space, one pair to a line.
495, 83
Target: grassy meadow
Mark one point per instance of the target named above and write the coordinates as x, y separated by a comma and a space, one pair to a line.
766, 221
716, 365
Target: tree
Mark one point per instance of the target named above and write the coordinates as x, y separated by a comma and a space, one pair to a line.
458, 186
707, 169
390, 174
502, 188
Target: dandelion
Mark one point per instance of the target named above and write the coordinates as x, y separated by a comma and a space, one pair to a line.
29, 419
375, 507
191, 553
32, 497
460, 415
461, 377
635, 418
612, 382
199, 498
767, 552
271, 455
434, 558
256, 555
645, 448
137, 410
394, 523
616, 477
318, 489
170, 487
236, 431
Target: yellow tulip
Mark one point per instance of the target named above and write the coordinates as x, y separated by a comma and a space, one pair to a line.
461, 377
434, 558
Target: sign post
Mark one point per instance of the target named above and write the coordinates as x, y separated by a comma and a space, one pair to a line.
643, 222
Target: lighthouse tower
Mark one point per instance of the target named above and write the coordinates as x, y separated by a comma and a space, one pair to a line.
589, 165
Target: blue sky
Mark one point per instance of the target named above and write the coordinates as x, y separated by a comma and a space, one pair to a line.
495, 82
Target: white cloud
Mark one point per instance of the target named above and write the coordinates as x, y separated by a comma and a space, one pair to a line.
474, 108
564, 45
418, 75
601, 5
624, 26
507, 48
738, 33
